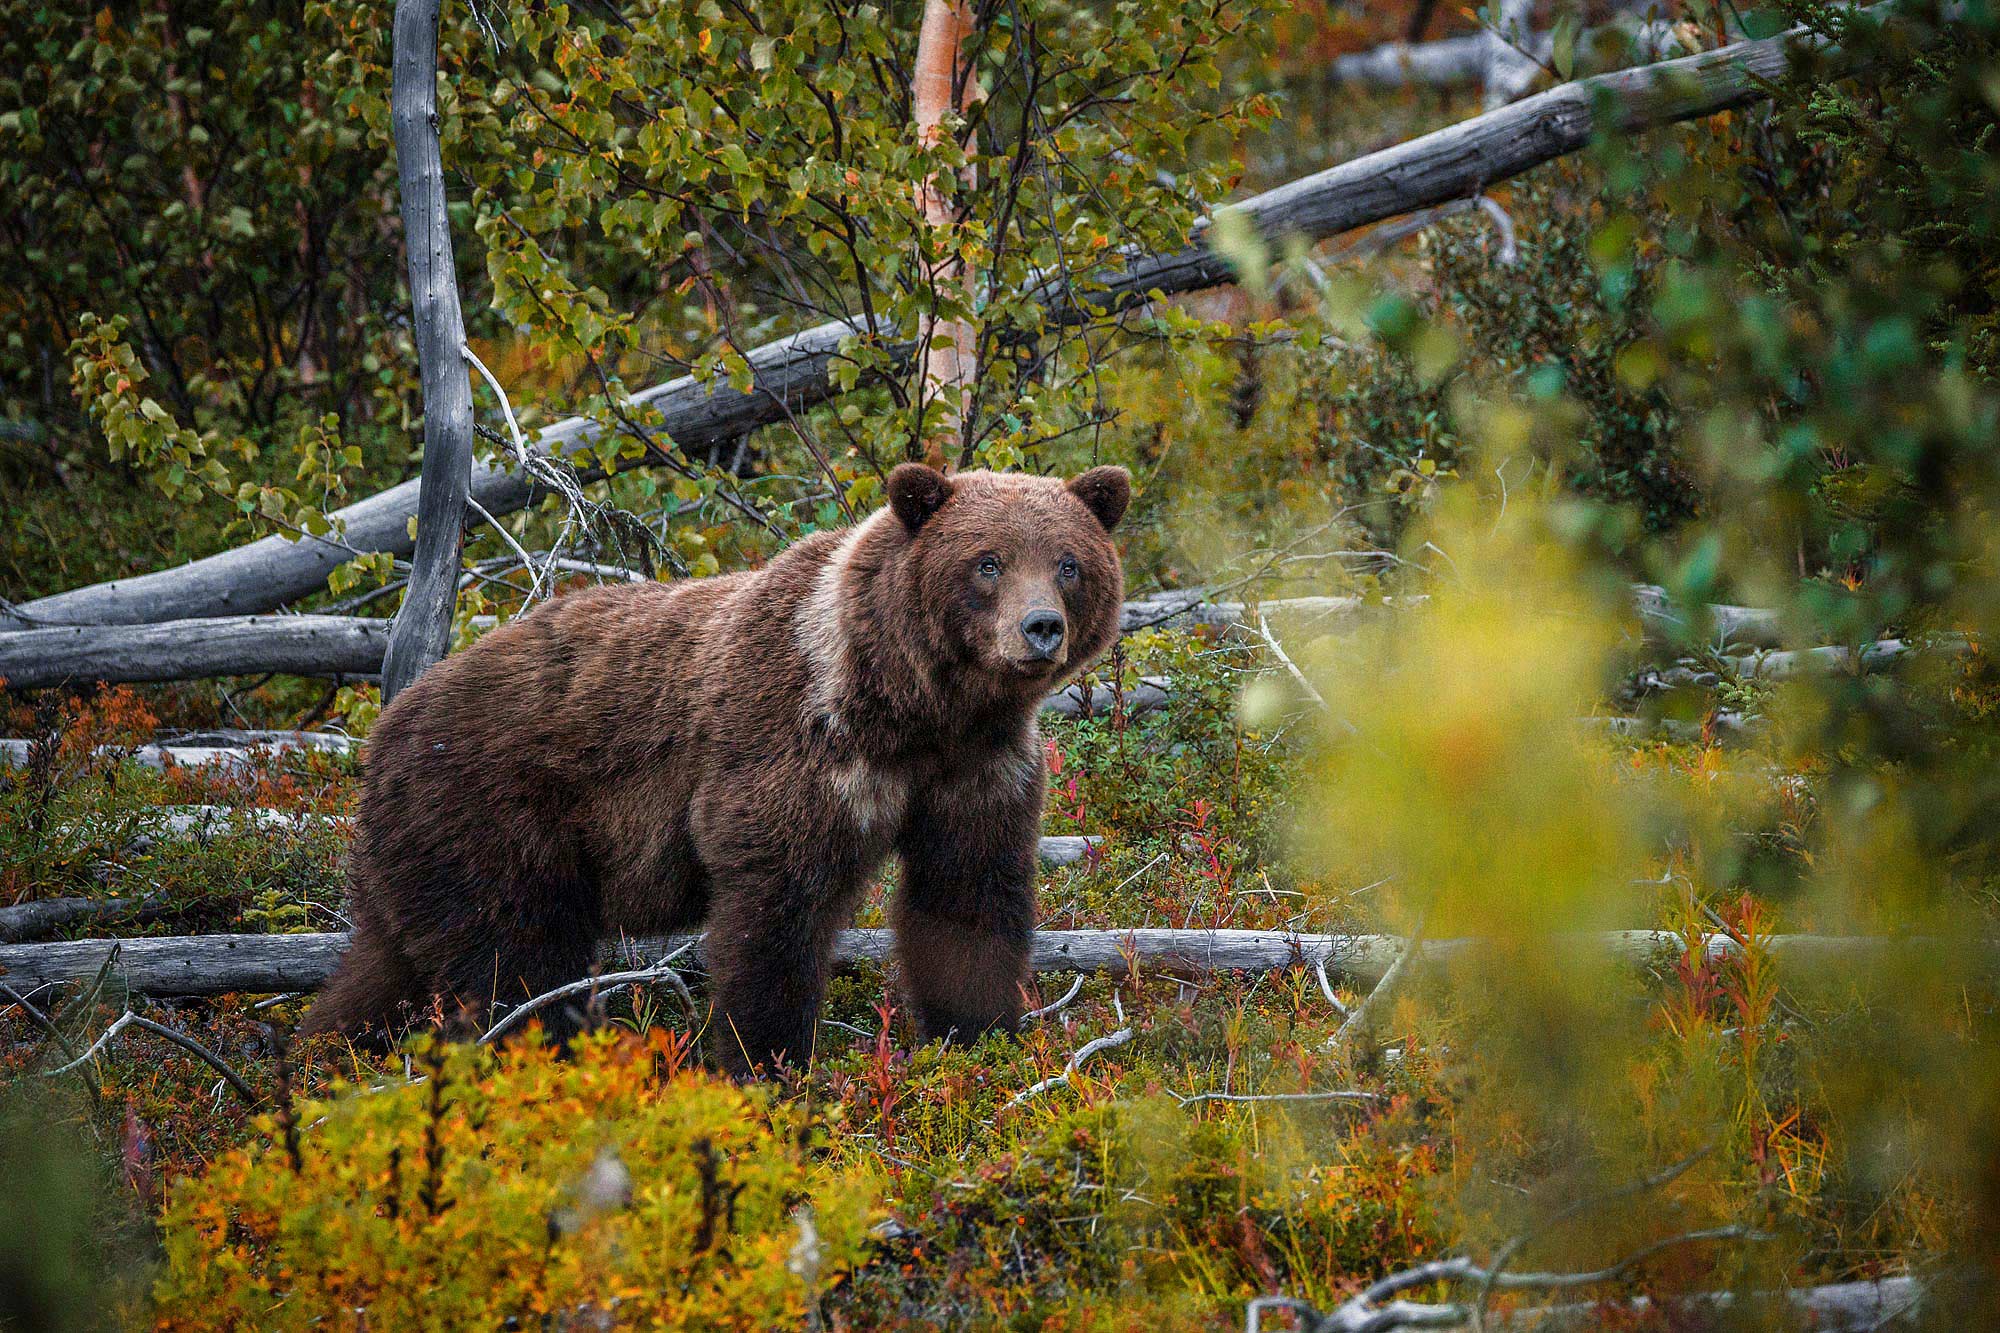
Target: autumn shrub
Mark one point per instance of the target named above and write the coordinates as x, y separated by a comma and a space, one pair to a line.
611, 1189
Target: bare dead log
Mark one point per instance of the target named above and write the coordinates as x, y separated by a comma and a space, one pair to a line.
1463, 159
1079, 700
220, 964
202, 822
33, 920
14, 752
190, 649
1749, 626
1452, 163
1845, 1307
422, 631
789, 375
1451, 60
1829, 660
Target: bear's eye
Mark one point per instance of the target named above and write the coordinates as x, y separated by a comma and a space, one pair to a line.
989, 566
1067, 569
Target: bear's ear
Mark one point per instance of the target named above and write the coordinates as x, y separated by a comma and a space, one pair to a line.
916, 492
1105, 491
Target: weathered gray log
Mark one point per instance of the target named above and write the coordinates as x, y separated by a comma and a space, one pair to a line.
1749, 626
1447, 61
1840, 1307
218, 964
1464, 159
790, 374
14, 752
1073, 701
31, 921
793, 373
1829, 660
189, 649
422, 631
202, 822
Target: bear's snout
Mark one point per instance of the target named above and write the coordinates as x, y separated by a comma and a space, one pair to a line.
1044, 630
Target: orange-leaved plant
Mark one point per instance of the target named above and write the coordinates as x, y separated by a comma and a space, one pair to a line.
518, 1189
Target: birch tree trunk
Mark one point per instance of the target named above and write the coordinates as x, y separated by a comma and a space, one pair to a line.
946, 354
422, 631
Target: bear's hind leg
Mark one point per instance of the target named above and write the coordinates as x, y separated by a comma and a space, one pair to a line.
547, 940
769, 957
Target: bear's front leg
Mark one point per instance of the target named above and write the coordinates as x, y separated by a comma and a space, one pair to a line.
965, 913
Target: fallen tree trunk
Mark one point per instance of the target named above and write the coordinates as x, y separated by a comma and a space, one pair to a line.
15, 752
202, 822
1464, 159
1829, 660
220, 964
31, 921
354, 646
793, 373
189, 649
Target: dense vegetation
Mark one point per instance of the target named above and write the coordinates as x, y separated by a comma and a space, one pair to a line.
1750, 359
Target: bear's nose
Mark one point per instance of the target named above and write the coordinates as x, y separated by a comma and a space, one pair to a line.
1044, 632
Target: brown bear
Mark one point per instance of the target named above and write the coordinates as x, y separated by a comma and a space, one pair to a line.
743, 752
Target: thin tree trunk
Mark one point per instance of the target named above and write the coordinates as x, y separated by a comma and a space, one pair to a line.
422, 631
946, 351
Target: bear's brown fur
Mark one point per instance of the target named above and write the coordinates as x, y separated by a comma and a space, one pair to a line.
744, 752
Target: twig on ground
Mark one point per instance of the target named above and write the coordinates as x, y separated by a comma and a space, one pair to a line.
48, 1025
1326, 988
131, 1020
1374, 1310
1048, 1009
1284, 660
644, 976
1336, 1095
1358, 1020
1084, 1052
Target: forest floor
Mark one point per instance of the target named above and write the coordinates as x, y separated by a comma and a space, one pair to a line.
1164, 1180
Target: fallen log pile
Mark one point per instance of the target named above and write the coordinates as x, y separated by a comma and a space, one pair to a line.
221, 964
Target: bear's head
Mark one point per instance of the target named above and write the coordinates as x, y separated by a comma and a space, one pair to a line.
1014, 576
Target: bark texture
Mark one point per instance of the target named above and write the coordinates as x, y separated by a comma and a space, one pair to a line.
422, 631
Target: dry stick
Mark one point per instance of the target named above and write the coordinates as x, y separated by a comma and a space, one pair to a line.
1358, 1020
1337, 1095
422, 631
1456, 162
1367, 1311
645, 976
1326, 988
180, 1039
1575, 1209
48, 1025
1084, 1052
1048, 1009
1841, 1307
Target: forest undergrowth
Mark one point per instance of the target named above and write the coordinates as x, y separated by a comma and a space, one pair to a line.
1237, 1136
